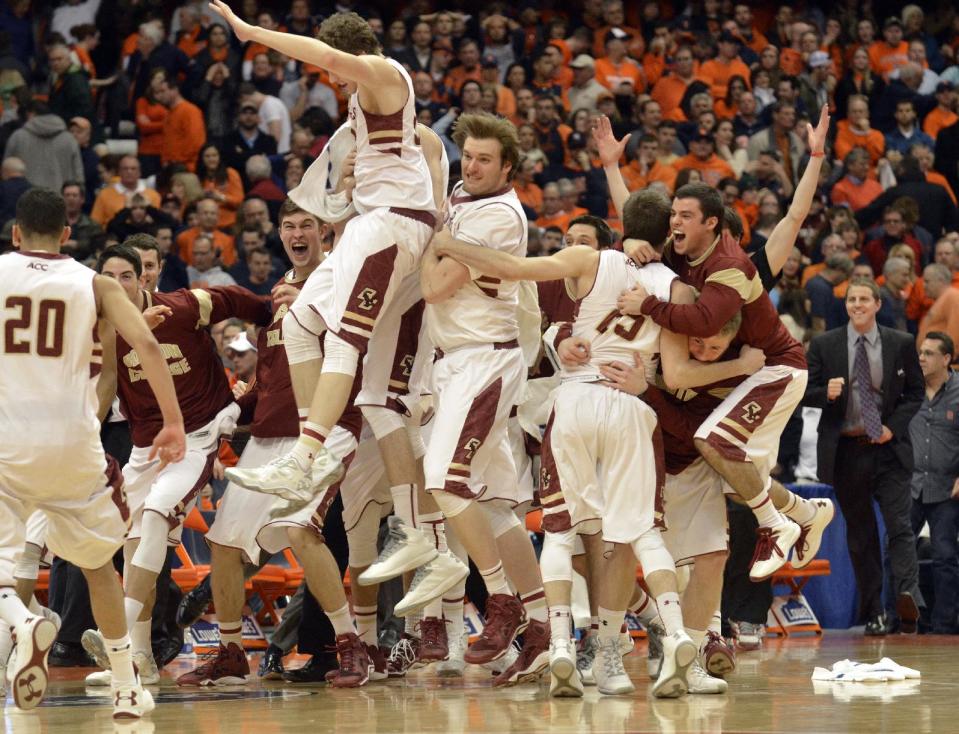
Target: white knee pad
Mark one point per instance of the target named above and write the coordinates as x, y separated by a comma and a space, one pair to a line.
450, 504
362, 537
301, 345
151, 553
502, 519
651, 552
556, 560
415, 432
341, 357
27, 563
383, 421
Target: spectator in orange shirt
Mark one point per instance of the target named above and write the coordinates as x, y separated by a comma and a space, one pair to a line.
944, 314
702, 157
469, 66
190, 39
505, 99
207, 215
551, 133
569, 194
616, 70
856, 132
184, 131
728, 107
927, 160
891, 52
855, 189
553, 214
718, 71
117, 195
750, 35
947, 253
944, 113
646, 168
530, 195
614, 17
670, 89
562, 74
222, 182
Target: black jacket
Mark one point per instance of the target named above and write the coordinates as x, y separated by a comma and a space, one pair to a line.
902, 391
936, 210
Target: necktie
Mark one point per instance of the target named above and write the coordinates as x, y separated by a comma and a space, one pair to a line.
867, 403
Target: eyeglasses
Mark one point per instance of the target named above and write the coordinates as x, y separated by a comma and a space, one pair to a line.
892, 221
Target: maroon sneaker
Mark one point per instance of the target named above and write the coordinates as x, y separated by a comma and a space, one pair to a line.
719, 659
434, 645
403, 656
228, 667
533, 659
377, 665
505, 619
354, 662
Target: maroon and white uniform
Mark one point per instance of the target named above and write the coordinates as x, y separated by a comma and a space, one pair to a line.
51, 458
479, 373
590, 475
203, 392
357, 284
747, 424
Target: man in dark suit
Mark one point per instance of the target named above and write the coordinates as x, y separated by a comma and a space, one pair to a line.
866, 379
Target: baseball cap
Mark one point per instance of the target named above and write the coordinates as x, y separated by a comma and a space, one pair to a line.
80, 122
575, 141
582, 61
241, 343
617, 34
727, 37
817, 59
248, 108
891, 21
945, 86
489, 62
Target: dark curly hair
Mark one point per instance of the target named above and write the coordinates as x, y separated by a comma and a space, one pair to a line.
348, 32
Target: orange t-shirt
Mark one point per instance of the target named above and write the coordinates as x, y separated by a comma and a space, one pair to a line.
233, 191
717, 74
847, 138
635, 46
151, 133
560, 219
636, 180
791, 61
530, 195
459, 75
884, 58
221, 241
611, 75
918, 303
937, 119
183, 135
856, 197
714, 169
943, 316
934, 177
669, 92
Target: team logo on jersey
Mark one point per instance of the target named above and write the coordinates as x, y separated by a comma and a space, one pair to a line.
38, 266
367, 299
545, 478
471, 447
751, 412
407, 364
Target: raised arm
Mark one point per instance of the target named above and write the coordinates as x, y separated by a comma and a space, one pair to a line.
610, 153
366, 70
783, 237
116, 308
570, 262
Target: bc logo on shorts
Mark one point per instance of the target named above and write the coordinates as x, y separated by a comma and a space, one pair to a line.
471, 447
751, 412
367, 299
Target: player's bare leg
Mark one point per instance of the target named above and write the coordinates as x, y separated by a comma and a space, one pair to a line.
615, 570
777, 534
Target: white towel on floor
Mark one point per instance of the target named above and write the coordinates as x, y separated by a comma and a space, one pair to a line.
851, 670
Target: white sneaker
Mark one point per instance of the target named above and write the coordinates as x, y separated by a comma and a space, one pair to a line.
405, 548
52, 616
810, 536
772, 549
34, 637
750, 636
454, 665
92, 641
626, 644
699, 681
503, 662
564, 680
679, 652
146, 667
611, 678
281, 477
585, 657
654, 649
432, 581
131, 702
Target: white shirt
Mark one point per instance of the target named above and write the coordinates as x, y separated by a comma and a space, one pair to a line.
272, 109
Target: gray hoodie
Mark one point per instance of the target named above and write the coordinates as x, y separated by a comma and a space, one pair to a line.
50, 152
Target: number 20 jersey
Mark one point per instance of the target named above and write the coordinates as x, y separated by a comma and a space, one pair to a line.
611, 335
49, 433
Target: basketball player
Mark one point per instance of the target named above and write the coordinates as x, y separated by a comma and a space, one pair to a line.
574, 447
160, 497
357, 285
741, 438
51, 458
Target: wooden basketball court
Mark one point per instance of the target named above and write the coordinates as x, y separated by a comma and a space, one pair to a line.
771, 691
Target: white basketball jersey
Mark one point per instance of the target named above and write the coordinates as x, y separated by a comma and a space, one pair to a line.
391, 169
484, 310
614, 337
49, 432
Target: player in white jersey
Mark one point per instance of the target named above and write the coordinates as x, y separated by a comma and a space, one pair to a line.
51, 458
585, 433
350, 295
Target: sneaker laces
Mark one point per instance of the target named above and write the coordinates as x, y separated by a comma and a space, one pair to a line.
587, 654
765, 545
346, 651
394, 541
612, 661
402, 654
750, 629
654, 640
430, 630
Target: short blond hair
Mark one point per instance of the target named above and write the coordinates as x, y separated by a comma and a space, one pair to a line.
484, 126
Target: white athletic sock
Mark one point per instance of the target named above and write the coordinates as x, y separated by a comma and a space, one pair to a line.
560, 622
610, 622
697, 636
12, 610
670, 611
535, 604
434, 609
495, 580
120, 653
644, 609
131, 609
366, 623
141, 636
231, 632
433, 525
6, 646
404, 503
799, 509
342, 620
766, 514
453, 614
412, 620
312, 436
716, 623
